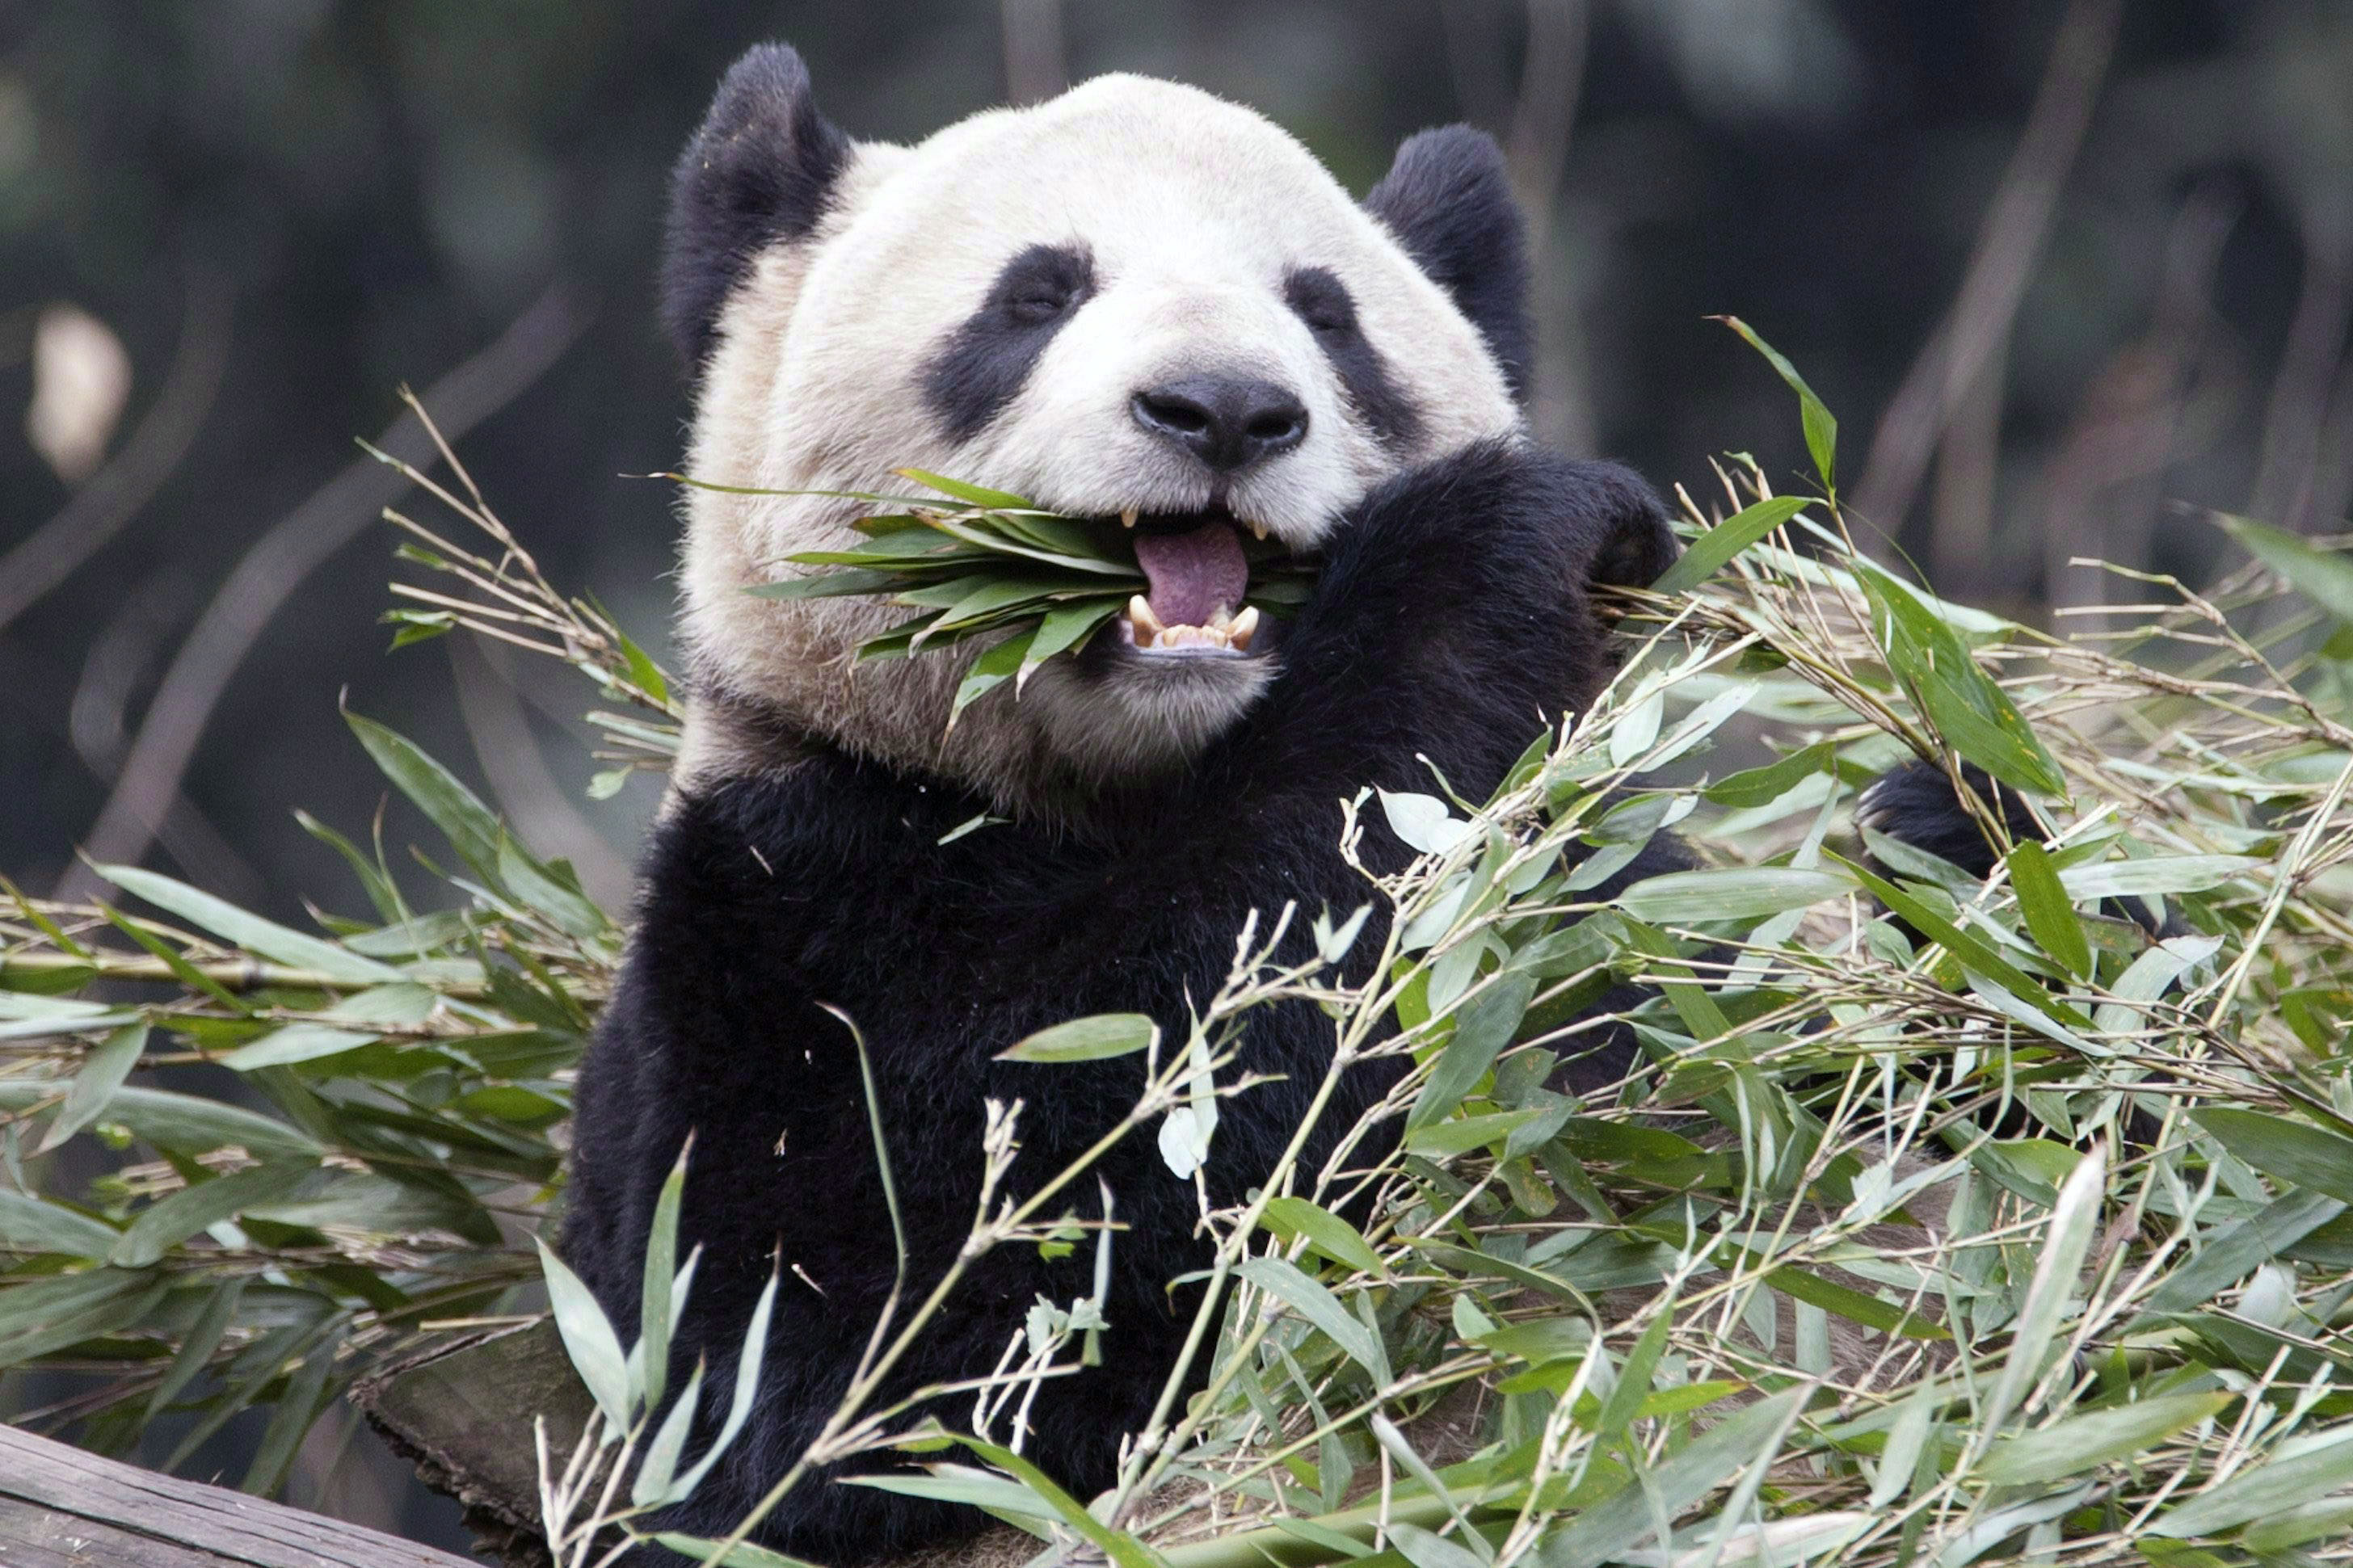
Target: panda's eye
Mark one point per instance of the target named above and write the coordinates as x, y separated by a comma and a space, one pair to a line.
1321, 300
1038, 308
1043, 284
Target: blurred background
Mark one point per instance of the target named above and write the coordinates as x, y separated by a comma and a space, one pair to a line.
2070, 271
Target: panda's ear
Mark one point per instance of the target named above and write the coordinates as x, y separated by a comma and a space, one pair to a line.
1449, 202
761, 169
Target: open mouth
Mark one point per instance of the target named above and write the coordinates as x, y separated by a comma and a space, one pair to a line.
1195, 574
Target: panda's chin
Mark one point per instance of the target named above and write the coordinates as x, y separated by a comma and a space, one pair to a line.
1121, 710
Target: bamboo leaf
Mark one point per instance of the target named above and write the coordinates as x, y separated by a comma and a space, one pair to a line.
2263, 1490
1712, 551
250, 931
29, 1223
1747, 892
589, 1341
2073, 1219
187, 1122
2082, 1442
2295, 1152
1091, 1039
102, 1072
1321, 1307
1327, 1232
2323, 577
1605, 1530
163, 1225
1822, 430
2045, 904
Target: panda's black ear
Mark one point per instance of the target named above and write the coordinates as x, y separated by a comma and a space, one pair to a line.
1449, 202
761, 169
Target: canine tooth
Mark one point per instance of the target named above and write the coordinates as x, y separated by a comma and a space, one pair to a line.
1127, 517
1139, 612
1258, 529
1245, 628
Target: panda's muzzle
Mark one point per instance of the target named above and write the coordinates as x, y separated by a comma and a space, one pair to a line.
1196, 575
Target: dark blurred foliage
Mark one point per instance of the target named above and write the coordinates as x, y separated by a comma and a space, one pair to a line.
326, 200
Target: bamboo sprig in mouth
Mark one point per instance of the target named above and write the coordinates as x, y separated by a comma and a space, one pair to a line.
988, 563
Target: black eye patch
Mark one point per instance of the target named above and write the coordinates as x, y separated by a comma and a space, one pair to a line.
984, 363
1319, 298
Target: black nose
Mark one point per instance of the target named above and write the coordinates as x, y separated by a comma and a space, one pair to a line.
1227, 422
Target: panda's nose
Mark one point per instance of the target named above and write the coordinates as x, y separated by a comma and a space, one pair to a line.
1228, 422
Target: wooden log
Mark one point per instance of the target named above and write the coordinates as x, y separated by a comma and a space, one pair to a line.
63, 1507
462, 1415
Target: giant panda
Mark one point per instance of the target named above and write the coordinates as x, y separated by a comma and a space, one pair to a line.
1134, 297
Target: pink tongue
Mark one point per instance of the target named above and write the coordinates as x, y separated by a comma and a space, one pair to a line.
1193, 575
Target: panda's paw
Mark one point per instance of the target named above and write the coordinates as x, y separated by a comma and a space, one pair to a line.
1486, 563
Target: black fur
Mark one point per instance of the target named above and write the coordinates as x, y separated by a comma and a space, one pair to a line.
1451, 619
1916, 804
1319, 298
1448, 201
984, 363
761, 169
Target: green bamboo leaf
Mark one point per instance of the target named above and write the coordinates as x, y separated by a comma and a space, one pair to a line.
291, 1043
2263, 1490
29, 1223
1322, 1309
1711, 551
1972, 713
2073, 1218
2295, 1152
49, 1315
1000, 662
1744, 892
747, 1386
163, 1225
1633, 1385
660, 1271
472, 828
1116, 1544
743, 1554
297, 1409
1064, 629
2155, 876
1483, 1029
2323, 577
1974, 953
102, 1072
1822, 430
1762, 787
2050, 916
589, 1341
196, 1347
1090, 1039
651, 1485
1327, 1232
249, 931
185, 1122
2238, 1251
962, 1483
2095, 1438
971, 495
1607, 1529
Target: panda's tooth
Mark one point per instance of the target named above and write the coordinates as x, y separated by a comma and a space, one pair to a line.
1127, 517
1139, 611
1258, 529
1245, 628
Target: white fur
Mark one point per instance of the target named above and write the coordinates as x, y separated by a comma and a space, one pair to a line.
1193, 209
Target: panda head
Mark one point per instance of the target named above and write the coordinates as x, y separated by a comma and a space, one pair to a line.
1135, 297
